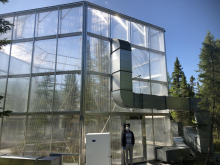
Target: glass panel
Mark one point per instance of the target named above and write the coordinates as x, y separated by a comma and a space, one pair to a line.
97, 123
136, 128
41, 93
44, 56
140, 63
4, 56
98, 22
138, 34
98, 55
69, 53
21, 55
17, 94
156, 40
46, 23
2, 91
38, 135
67, 93
158, 67
8, 32
149, 138
24, 26
70, 20
12, 141
120, 28
66, 135
116, 139
141, 87
97, 97
159, 89
162, 131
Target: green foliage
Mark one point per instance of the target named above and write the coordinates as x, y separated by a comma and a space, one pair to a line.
4, 27
180, 88
4, 1
209, 76
6, 112
217, 145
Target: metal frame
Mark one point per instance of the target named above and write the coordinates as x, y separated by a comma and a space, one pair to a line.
84, 72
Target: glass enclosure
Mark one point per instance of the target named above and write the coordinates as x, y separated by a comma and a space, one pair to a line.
55, 77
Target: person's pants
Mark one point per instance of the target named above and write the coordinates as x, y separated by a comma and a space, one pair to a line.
125, 155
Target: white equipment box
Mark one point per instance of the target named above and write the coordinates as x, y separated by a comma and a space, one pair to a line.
98, 150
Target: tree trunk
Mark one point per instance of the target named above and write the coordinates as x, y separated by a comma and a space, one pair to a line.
217, 133
210, 143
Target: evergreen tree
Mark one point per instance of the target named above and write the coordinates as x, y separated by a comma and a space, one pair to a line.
209, 76
191, 87
169, 79
176, 77
4, 27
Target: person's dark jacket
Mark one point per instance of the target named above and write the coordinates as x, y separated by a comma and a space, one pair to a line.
123, 138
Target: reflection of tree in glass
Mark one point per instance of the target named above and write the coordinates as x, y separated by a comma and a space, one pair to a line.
97, 88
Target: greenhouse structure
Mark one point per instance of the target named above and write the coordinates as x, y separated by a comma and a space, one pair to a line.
56, 78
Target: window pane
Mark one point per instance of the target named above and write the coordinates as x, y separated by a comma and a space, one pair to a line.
66, 135
38, 135
98, 22
149, 138
136, 127
24, 26
41, 93
12, 141
8, 33
162, 131
46, 23
120, 28
138, 34
67, 93
116, 139
141, 87
140, 63
44, 56
97, 97
159, 89
98, 56
17, 94
158, 67
69, 53
70, 20
4, 56
21, 55
156, 40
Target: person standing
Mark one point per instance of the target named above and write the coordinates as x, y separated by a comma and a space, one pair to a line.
128, 141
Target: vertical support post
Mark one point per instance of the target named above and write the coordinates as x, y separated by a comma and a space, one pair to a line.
83, 84
29, 89
6, 87
54, 85
144, 137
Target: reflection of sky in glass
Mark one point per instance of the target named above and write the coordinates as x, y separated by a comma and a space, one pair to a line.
98, 22
4, 57
44, 56
21, 58
8, 33
69, 53
140, 63
46, 23
24, 26
138, 34
70, 20
120, 28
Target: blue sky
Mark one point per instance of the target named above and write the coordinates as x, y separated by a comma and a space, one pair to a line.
186, 22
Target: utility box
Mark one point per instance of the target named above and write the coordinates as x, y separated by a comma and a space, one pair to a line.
98, 150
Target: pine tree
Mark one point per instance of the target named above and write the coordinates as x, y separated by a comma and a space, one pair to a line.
191, 87
209, 76
169, 79
176, 77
